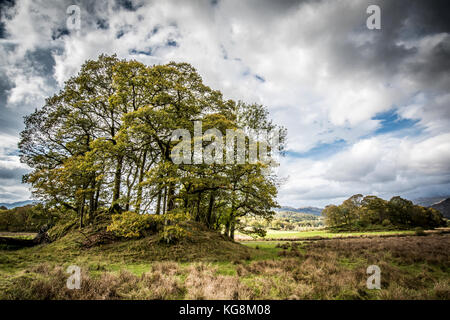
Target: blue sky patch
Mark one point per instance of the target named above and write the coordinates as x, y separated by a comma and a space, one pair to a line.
321, 150
148, 52
390, 122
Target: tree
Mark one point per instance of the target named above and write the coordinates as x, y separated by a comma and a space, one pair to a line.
105, 143
360, 212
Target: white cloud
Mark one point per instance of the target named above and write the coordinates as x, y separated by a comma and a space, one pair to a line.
382, 165
326, 76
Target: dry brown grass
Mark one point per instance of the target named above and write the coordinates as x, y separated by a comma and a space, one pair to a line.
433, 249
411, 268
49, 282
203, 282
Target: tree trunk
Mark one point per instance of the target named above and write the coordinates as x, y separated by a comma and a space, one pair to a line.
199, 200
97, 196
82, 210
165, 200
91, 205
158, 202
233, 225
141, 178
210, 209
170, 198
117, 178
227, 228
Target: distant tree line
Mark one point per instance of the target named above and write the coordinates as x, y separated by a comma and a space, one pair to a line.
103, 145
287, 220
29, 218
283, 220
370, 212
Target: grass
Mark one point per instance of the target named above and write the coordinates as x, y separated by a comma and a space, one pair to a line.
18, 235
277, 234
207, 266
201, 245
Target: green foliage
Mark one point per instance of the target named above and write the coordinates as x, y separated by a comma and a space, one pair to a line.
104, 143
28, 218
133, 225
373, 213
173, 230
283, 220
254, 232
172, 234
62, 228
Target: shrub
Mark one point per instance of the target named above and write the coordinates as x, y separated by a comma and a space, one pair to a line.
134, 225
172, 234
173, 231
419, 231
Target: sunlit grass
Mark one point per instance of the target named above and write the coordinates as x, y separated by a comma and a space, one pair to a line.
278, 234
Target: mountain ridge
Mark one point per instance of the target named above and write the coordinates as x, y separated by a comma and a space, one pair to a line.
310, 210
443, 206
11, 205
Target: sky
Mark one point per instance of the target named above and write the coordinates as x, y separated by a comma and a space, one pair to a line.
367, 111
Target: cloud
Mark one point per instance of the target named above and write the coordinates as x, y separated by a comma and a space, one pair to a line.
326, 77
11, 171
384, 165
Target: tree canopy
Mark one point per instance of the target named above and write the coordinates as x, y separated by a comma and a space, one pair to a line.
369, 212
104, 143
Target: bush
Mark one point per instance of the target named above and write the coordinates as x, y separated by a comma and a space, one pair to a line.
134, 225
172, 234
419, 231
172, 231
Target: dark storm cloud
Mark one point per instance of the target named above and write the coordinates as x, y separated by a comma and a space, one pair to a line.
127, 4
406, 20
9, 120
12, 173
4, 5
5, 86
428, 17
434, 69
41, 61
384, 51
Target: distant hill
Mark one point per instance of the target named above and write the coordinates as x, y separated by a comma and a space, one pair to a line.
310, 210
428, 202
297, 216
17, 204
443, 206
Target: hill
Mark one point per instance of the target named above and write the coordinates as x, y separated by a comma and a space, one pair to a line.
443, 206
11, 205
297, 216
94, 244
311, 210
429, 201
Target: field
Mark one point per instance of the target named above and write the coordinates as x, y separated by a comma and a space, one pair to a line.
211, 267
18, 235
295, 235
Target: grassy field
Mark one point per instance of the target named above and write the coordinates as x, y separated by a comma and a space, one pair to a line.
211, 267
277, 234
18, 235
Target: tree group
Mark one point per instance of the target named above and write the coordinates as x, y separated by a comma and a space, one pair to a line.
371, 212
104, 144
